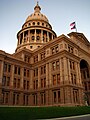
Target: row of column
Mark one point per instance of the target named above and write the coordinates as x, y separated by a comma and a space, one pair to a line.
28, 37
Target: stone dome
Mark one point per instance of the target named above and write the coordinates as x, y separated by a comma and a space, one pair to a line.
37, 15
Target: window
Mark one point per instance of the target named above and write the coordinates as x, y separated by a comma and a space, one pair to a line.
55, 49
15, 70
33, 37
33, 23
36, 84
4, 81
53, 65
18, 83
7, 97
54, 79
18, 70
24, 72
27, 85
58, 96
9, 68
70, 49
38, 37
8, 81
54, 95
58, 78
14, 83
24, 84
38, 23
57, 64
44, 69
5, 67
31, 47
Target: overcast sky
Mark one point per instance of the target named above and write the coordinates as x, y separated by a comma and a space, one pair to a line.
60, 14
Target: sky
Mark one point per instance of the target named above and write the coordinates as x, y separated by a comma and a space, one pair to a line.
60, 14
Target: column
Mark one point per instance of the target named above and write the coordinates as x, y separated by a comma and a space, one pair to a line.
50, 76
39, 80
69, 72
1, 77
11, 98
47, 97
31, 80
39, 57
47, 36
42, 36
23, 38
52, 36
47, 74
22, 72
35, 36
61, 74
28, 35
72, 101
38, 99
79, 73
1, 72
62, 95
65, 70
12, 76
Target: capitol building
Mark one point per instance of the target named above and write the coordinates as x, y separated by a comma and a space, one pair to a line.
46, 69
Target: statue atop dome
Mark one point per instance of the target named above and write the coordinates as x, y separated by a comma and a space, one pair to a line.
37, 8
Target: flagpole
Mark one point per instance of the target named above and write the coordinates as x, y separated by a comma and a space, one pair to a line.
75, 27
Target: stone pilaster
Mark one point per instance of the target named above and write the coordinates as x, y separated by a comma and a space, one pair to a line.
61, 70
65, 70
77, 73
39, 80
69, 72
12, 76
42, 36
47, 36
35, 36
22, 72
1, 77
31, 79
50, 75
47, 75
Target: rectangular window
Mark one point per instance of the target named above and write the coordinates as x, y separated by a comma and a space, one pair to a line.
53, 65
14, 83
24, 84
57, 64
44, 69
18, 83
54, 95
58, 79
27, 73
5, 67
4, 81
58, 96
36, 84
9, 68
8, 81
24, 72
27, 85
15, 70
18, 70
54, 79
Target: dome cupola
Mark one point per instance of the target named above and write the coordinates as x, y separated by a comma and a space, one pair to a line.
36, 31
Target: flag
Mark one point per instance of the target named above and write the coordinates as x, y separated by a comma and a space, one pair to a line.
73, 25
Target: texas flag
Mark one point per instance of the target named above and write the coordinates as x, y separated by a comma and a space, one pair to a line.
73, 25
